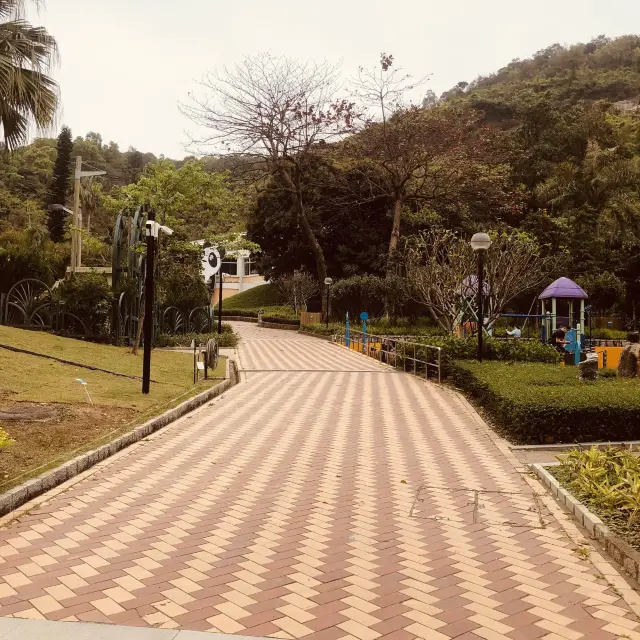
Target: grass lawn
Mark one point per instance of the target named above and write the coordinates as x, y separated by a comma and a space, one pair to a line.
538, 403
72, 423
256, 298
253, 300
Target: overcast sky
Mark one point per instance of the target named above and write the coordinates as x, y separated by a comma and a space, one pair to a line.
125, 64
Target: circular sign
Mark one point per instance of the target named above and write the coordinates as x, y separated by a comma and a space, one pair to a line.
364, 316
212, 261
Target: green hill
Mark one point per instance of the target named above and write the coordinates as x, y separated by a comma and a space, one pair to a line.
603, 69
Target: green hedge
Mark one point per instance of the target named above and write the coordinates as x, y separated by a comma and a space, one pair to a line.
281, 320
228, 338
535, 403
237, 313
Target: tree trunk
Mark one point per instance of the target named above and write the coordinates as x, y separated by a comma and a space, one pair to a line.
136, 344
312, 241
395, 231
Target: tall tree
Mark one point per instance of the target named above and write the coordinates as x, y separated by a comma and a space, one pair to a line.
27, 94
60, 185
405, 142
274, 111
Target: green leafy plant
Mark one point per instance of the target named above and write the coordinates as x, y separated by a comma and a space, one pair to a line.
607, 480
5, 439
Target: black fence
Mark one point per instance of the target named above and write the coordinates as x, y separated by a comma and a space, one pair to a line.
32, 304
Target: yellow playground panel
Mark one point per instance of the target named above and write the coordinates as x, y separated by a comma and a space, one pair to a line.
608, 357
371, 346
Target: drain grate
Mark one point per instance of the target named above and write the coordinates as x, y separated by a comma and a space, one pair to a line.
471, 506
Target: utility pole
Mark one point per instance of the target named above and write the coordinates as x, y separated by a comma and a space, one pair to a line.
149, 290
220, 305
76, 218
76, 221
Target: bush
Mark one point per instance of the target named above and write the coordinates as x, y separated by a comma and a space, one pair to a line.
228, 339
323, 330
27, 254
89, 297
373, 294
180, 281
606, 481
607, 334
237, 313
537, 403
281, 320
512, 350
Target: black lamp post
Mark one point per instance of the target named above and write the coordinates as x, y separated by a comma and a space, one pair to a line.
480, 243
327, 284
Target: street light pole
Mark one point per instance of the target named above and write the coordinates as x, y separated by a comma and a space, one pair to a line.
220, 304
149, 290
480, 305
327, 283
480, 243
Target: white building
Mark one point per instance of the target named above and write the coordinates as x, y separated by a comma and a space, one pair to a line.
239, 272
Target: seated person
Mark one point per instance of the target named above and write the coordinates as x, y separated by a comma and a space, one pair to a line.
515, 333
557, 339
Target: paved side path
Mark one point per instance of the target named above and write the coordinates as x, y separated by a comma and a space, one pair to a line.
326, 496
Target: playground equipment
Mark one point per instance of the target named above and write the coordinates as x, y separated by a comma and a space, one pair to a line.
561, 290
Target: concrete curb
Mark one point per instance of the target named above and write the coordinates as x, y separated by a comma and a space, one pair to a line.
572, 446
16, 497
617, 549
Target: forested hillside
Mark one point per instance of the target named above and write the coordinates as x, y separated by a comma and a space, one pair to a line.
553, 155
548, 146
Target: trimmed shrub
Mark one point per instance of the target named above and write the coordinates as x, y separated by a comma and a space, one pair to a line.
322, 330
535, 403
511, 350
238, 313
228, 339
281, 320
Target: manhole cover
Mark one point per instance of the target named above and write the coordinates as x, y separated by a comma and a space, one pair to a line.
472, 506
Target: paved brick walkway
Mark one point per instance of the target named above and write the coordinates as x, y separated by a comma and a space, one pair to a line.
326, 496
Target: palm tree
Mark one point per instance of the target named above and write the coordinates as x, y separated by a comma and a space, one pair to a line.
27, 94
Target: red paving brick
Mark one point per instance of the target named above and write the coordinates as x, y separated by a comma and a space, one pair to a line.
325, 496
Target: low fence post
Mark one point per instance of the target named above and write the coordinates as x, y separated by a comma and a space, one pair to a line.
364, 337
347, 333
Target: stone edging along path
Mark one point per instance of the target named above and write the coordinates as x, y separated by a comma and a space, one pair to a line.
627, 557
16, 497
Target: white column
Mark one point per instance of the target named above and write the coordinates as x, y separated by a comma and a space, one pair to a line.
240, 272
582, 315
553, 314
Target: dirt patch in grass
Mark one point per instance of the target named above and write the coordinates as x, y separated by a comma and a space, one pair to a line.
47, 442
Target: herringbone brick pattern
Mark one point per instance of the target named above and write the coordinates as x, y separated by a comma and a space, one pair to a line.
342, 501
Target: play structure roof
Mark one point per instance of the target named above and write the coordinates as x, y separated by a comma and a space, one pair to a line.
564, 288
469, 287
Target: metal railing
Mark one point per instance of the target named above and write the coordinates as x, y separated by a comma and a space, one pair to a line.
413, 357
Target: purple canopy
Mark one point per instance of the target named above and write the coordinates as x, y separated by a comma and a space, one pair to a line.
469, 287
564, 288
